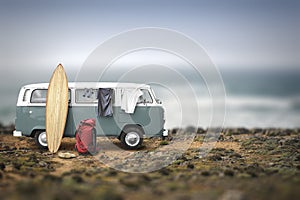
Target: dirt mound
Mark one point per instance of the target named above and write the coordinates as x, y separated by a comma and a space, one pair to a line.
244, 164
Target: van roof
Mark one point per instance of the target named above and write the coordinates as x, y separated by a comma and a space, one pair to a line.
92, 85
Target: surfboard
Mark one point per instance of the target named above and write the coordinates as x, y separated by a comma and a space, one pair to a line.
56, 108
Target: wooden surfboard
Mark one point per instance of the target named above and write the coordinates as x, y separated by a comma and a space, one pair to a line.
56, 108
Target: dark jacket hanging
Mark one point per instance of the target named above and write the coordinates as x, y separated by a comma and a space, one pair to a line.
105, 102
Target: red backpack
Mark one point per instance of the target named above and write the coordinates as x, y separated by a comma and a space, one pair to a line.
86, 137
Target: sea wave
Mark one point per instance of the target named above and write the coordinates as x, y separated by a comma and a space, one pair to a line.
241, 111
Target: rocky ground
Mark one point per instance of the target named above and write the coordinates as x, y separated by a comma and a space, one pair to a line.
243, 164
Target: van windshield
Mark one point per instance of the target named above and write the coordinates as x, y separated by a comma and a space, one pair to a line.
156, 99
146, 97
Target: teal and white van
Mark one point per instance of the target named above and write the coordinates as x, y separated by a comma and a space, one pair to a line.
131, 112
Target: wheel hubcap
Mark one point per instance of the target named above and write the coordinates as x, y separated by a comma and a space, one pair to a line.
43, 139
132, 139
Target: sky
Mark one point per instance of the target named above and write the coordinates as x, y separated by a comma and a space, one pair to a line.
235, 33
37, 35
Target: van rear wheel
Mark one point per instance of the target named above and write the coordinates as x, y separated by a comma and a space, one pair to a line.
132, 137
41, 139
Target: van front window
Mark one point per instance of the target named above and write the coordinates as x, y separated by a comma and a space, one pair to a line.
146, 97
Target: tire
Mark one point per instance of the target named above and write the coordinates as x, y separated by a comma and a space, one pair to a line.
132, 137
164, 137
40, 139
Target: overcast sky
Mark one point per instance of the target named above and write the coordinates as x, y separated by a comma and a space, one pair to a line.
235, 33
36, 35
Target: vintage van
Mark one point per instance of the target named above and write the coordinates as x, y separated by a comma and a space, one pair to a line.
133, 111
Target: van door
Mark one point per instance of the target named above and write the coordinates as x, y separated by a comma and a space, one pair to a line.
86, 106
141, 112
149, 114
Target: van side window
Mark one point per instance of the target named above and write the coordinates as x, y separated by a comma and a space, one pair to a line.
40, 96
146, 97
86, 95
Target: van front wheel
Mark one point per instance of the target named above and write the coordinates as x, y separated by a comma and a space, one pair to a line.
41, 139
132, 137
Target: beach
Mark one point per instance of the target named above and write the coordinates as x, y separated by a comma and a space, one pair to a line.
243, 164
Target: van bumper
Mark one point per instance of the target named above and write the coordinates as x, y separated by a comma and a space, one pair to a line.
165, 133
17, 133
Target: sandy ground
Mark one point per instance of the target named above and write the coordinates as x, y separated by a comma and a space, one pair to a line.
243, 164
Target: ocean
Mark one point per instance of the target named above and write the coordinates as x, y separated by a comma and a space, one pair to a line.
254, 98
258, 98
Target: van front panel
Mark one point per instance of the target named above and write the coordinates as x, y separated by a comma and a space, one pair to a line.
149, 117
